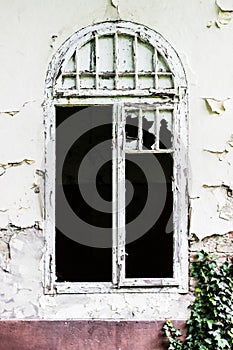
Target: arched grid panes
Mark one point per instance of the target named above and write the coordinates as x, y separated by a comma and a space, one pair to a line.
116, 62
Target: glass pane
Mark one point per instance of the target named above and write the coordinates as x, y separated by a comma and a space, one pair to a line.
87, 82
126, 83
165, 82
149, 218
84, 194
106, 59
165, 129
70, 67
69, 83
145, 57
107, 83
146, 82
131, 130
87, 57
148, 129
125, 53
162, 65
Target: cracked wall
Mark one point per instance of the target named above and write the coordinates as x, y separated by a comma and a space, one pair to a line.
31, 33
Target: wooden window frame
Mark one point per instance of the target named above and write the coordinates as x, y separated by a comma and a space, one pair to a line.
171, 98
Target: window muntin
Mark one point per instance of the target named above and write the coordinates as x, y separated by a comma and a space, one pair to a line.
168, 64
116, 62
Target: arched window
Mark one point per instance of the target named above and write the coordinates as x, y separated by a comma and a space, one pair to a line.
116, 162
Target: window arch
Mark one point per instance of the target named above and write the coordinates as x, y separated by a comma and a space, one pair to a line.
134, 69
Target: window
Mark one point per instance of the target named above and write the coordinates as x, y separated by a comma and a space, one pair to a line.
116, 193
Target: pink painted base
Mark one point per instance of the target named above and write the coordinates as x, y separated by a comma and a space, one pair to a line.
83, 335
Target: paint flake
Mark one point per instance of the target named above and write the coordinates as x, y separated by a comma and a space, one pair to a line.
225, 5
216, 106
3, 167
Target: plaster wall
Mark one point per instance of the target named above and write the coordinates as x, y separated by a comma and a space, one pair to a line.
31, 32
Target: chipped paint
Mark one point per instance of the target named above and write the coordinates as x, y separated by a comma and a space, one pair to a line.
225, 12
22, 137
216, 106
225, 5
4, 167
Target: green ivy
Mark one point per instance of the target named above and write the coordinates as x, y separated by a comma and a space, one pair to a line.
210, 326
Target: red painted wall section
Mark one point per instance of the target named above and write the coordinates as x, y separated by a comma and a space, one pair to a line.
83, 335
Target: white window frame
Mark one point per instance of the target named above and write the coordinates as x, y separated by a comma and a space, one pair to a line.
175, 98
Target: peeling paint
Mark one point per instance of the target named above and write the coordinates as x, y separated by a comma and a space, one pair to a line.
225, 13
225, 5
53, 38
21, 245
4, 167
220, 154
216, 106
8, 113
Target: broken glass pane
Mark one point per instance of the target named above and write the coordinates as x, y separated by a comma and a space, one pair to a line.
148, 129
131, 130
165, 129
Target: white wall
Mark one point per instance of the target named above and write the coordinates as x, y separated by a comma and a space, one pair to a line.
31, 32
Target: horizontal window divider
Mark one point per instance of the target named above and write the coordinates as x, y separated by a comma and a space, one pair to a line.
113, 73
149, 282
107, 287
69, 74
148, 151
106, 92
160, 102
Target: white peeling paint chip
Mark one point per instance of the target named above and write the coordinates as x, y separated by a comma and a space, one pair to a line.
225, 5
216, 106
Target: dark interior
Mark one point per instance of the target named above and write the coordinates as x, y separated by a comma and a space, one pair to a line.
151, 255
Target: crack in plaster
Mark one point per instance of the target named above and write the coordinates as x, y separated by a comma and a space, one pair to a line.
14, 112
4, 167
222, 153
116, 5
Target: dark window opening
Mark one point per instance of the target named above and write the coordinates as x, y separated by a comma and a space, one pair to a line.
76, 262
150, 256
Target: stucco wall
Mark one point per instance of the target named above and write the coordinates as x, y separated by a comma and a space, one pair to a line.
31, 32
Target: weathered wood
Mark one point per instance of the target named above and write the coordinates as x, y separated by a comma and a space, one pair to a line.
151, 98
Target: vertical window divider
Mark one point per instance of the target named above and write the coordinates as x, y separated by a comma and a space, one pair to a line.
97, 58
116, 48
121, 194
157, 128
135, 54
77, 69
140, 131
114, 197
155, 67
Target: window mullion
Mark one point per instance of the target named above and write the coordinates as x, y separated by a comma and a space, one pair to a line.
121, 195
114, 197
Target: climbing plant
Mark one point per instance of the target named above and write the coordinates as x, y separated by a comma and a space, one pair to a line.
210, 326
